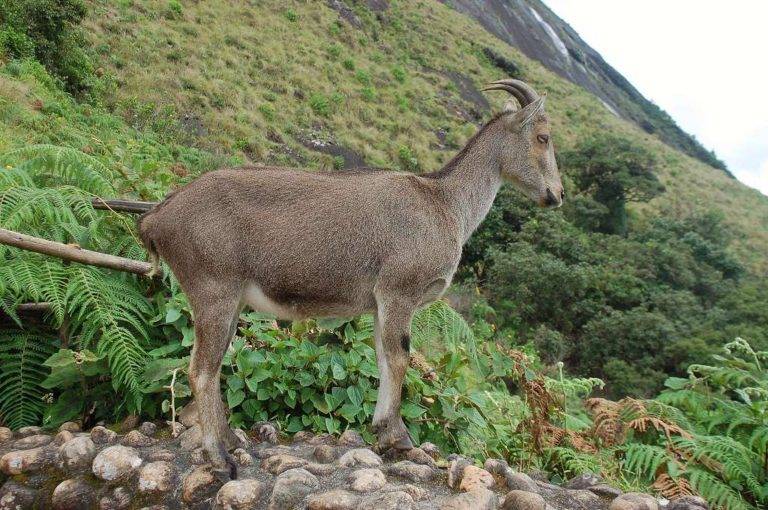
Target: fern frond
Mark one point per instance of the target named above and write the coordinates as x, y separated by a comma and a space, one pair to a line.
51, 165
22, 354
645, 459
716, 492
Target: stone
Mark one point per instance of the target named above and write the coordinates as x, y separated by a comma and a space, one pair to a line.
263, 453
688, 503
148, 428
239, 495
277, 464
320, 469
302, 436
496, 466
27, 461
6, 434
634, 501
419, 456
200, 484
478, 499
73, 494
475, 478
520, 482
242, 457
322, 439
197, 456
245, 441
161, 454
583, 481
291, 487
69, 426
136, 439
360, 457
102, 435
577, 499
351, 438
32, 441
395, 500
367, 480
30, 430
118, 498
605, 491
417, 493
523, 500
456, 471
77, 453
14, 496
266, 432
431, 449
116, 463
333, 500
411, 471
324, 453
157, 477
62, 437
129, 422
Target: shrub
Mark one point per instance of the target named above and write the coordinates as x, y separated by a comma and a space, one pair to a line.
408, 160
320, 104
399, 74
49, 31
268, 111
291, 15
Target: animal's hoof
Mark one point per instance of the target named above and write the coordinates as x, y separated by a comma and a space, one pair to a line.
394, 438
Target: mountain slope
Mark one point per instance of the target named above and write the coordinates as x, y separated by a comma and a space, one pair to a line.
395, 86
540, 34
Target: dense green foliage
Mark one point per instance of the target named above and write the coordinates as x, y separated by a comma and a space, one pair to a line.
632, 306
48, 31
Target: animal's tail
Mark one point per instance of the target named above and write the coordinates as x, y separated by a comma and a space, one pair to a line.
145, 234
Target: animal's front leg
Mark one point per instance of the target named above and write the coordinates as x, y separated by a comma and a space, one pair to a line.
393, 325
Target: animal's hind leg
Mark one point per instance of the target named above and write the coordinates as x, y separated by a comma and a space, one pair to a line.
215, 307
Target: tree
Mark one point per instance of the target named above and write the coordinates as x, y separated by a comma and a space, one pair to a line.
613, 170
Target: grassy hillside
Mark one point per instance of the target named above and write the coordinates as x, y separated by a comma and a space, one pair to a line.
269, 82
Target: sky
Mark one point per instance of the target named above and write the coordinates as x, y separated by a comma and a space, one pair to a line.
705, 62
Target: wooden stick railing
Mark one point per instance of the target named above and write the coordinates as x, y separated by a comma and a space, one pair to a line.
128, 206
73, 253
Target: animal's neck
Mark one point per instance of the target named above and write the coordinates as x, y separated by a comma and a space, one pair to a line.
471, 180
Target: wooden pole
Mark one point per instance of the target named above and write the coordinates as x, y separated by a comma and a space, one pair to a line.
73, 253
127, 206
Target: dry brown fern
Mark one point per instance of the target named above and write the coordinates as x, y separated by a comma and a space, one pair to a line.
673, 488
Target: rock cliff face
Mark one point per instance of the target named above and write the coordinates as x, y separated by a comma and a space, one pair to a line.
538, 32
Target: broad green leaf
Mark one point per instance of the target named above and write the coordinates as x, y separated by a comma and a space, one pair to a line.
355, 396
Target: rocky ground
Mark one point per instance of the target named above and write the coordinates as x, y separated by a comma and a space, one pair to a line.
147, 469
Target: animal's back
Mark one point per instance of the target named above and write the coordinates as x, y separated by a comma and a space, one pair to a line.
303, 237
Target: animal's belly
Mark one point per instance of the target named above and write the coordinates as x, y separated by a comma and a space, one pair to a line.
297, 309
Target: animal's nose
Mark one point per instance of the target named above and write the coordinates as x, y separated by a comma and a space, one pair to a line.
562, 195
551, 199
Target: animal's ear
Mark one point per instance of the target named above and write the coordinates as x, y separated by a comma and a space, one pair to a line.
519, 119
511, 106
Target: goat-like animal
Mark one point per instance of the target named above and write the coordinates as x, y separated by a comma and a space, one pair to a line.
299, 244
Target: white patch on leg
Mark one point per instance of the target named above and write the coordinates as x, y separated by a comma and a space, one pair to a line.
384, 399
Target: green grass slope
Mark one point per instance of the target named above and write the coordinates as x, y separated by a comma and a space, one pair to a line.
266, 79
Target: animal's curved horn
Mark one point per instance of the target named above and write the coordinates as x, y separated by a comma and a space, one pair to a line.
521, 90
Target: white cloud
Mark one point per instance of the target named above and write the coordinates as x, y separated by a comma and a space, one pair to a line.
703, 62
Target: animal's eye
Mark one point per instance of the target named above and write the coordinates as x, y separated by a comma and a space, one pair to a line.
542, 138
